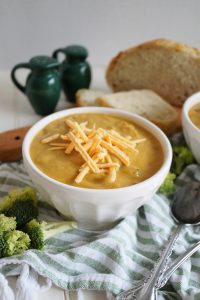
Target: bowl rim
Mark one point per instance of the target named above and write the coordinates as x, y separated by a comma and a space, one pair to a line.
144, 123
189, 103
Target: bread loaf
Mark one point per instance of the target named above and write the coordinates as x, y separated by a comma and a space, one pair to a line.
170, 69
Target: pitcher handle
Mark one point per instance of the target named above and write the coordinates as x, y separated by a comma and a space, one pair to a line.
14, 79
55, 53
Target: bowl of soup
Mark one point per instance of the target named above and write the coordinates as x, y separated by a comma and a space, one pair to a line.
96, 165
191, 124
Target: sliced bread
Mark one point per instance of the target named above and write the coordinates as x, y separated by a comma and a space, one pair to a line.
169, 68
86, 97
142, 102
145, 103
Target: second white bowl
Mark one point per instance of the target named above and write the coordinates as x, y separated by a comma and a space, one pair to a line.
191, 132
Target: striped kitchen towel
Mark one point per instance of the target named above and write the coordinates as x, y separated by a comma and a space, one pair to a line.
114, 260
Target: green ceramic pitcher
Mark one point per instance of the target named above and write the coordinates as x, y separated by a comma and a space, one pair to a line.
75, 70
43, 85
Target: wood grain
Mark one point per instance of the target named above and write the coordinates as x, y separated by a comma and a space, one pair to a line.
11, 144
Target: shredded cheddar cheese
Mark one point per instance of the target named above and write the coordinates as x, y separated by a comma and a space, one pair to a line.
50, 138
96, 146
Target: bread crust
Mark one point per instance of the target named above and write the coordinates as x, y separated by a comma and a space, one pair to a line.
171, 47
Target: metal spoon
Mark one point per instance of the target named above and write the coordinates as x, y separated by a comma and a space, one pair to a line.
186, 211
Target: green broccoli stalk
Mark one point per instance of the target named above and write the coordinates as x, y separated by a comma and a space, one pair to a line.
41, 231
21, 204
182, 156
14, 242
168, 187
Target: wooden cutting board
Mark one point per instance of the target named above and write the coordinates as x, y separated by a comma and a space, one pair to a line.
11, 144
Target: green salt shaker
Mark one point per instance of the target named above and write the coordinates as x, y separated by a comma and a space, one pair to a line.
43, 85
75, 70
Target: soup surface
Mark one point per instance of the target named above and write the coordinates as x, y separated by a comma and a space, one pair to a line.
194, 115
144, 162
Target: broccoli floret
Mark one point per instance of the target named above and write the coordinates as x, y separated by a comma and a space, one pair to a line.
41, 231
7, 224
14, 242
168, 187
182, 156
21, 204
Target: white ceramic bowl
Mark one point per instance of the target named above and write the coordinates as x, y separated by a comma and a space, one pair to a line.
95, 208
191, 132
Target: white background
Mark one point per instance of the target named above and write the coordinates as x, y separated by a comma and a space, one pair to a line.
32, 27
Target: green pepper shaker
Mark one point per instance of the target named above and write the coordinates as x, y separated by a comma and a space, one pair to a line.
75, 70
43, 85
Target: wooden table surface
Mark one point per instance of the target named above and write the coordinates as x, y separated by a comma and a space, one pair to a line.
16, 111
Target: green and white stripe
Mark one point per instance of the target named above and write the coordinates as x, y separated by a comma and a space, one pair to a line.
115, 260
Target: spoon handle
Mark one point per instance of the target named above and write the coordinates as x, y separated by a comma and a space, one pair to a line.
147, 290
177, 263
160, 267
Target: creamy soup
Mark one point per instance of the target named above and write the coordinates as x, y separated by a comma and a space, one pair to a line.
142, 162
194, 115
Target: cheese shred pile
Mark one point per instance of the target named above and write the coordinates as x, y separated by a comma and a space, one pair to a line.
97, 148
